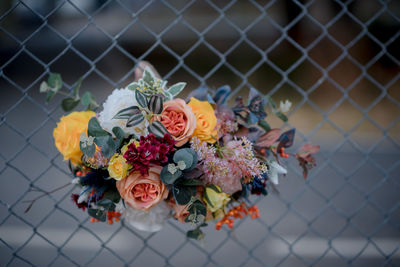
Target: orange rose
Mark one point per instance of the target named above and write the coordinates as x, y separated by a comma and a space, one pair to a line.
143, 191
68, 132
206, 121
179, 120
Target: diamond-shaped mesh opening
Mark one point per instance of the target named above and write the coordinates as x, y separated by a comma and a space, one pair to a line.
336, 61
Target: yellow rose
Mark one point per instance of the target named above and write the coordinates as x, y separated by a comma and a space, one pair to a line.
215, 201
117, 167
68, 132
206, 121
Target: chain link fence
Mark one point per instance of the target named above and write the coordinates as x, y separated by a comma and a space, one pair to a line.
337, 61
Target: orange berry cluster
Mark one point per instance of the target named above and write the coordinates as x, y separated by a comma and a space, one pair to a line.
238, 212
282, 153
110, 216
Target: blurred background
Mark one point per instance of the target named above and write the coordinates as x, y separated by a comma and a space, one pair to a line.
337, 61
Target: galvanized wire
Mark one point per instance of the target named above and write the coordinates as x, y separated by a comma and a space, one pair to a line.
284, 36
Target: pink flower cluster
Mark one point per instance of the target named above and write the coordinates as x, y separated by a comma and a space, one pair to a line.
229, 165
151, 150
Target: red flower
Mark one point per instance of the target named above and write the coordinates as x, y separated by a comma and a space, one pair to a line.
151, 150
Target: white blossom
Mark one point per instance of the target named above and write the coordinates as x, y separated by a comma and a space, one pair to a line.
285, 106
120, 99
274, 170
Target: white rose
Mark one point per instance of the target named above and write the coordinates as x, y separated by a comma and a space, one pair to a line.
120, 99
149, 221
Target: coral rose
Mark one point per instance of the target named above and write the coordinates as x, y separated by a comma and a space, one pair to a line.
67, 134
179, 120
143, 191
206, 121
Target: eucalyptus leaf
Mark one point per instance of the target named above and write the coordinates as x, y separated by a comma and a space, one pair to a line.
69, 104
107, 204
98, 214
50, 95
183, 194
195, 234
87, 150
113, 195
77, 87
169, 178
107, 144
86, 98
185, 156
55, 81
190, 182
119, 134
94, 128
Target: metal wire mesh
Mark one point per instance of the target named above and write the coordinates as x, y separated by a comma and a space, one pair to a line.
337, 60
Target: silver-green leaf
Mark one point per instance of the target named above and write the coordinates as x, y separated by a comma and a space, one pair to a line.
135, 120
126, 113
141, 99
156, 104
175, 89
158, 129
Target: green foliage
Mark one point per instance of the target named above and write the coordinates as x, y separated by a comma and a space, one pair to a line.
156, 104
158, 129
94, 128
86, 149
69, 104
183, 194
98, 214
135, 120
169, 178
126, 113
175, 89
263, 124
141, 99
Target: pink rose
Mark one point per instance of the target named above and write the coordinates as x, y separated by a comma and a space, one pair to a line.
179, 119
143, 191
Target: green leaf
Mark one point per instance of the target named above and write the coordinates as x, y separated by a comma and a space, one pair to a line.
126, 113
107, 204
87, 150
141, 99
190, 182
148, 77
169, 178
281, 116
198, 207
195, 159
107, 144
94, 128
55, 81
185, 156
195, 234
263, 124
77, 87
69, 104
183, 194
175, 89
156, 104
113, 195
119, 134
135, 120
133, 86
98, 214
50, 95
158, 129
271, 102
44, 87
86, 98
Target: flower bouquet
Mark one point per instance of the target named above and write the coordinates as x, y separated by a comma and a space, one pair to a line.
148, 155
